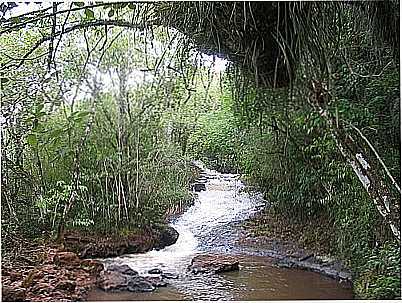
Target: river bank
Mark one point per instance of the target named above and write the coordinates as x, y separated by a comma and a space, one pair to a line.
293, 245
46, 271
213, 225
223, 221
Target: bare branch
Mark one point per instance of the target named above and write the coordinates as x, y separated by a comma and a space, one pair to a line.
119, 23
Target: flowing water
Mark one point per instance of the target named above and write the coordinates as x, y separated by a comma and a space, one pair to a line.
211, 226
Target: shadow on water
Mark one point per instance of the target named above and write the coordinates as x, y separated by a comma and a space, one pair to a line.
210, 226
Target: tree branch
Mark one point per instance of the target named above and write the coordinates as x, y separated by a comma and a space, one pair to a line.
119, 23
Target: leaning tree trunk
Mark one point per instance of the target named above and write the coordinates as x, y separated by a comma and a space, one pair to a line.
369, 169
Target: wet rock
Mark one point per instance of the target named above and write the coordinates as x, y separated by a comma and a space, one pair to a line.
155, 271
199, 187
213, 263
122, 269
111, 281
123, 278
168, 275
66, 258
167, 235
10, 294
156, 281
140, 284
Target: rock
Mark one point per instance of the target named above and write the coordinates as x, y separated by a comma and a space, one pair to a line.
140, 284
9, 294
111, 280
66, 285
213, 263
167, 235
156, 281
168, 275
123, 269
155, 271
123, 278
94, 266
66, 258
199, 187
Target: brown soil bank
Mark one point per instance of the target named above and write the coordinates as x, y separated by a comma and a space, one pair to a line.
50, 272
61, 276
95, 246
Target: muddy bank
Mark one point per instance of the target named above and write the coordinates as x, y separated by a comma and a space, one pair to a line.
292, 245
97, 246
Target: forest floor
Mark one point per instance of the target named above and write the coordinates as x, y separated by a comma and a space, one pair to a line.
294, 245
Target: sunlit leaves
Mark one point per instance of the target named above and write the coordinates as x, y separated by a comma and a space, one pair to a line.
89, 14
32, 140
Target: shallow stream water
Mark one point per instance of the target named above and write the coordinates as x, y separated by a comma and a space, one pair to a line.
211, 226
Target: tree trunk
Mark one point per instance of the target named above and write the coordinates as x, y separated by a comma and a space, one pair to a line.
364, 166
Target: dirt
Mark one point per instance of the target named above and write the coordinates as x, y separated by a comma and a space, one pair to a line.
45, 271
59, 276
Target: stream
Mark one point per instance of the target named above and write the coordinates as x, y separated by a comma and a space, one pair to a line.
211, 225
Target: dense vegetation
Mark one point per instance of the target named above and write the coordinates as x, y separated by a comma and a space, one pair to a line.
99, 131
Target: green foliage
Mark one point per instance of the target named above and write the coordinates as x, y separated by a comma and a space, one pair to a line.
119, 154
379, 273
215, 140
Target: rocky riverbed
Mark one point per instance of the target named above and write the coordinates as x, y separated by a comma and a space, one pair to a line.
210, 252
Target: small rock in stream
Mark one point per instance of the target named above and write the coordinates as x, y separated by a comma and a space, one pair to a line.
157, 281
199, 187
156, 271
123, 278
213, 263
111, 281
140, 284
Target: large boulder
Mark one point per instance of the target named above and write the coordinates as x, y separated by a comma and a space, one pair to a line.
166, 235
213, 264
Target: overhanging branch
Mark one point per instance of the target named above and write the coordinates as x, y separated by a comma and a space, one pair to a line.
119, 23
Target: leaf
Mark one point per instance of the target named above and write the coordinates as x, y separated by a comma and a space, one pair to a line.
82, 114
57, 132
32, 140
111, 13
16, 19
89, 13
79, 4
131, 5
39, 107
4, 80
